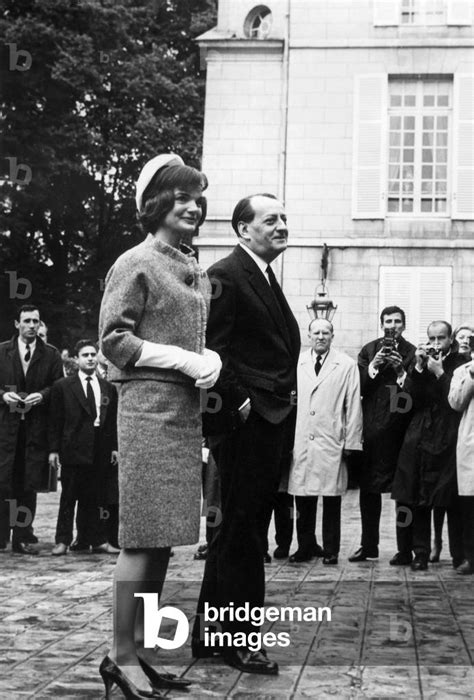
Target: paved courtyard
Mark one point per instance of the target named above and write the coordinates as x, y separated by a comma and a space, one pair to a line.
393, 633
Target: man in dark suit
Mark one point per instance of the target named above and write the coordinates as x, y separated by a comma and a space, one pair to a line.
383, 365
28, 368
83, 444
256, 335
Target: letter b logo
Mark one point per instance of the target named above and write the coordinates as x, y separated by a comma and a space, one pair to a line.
153, 615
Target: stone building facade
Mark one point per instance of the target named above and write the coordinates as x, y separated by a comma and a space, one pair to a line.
359, 114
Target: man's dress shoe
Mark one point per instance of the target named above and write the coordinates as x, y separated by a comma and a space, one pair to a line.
24, 548
30, 538
59, 549
250, 661
331, 560
318, 551
401, 559
280, 553
267, 558
363, 554
419, 564
105, 548
78, 546
301, 555
465, 569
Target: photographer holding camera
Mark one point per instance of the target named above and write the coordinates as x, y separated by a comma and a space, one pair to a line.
426, 468
461, 398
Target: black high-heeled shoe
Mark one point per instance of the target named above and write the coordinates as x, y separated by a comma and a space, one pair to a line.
163, 680
111, 674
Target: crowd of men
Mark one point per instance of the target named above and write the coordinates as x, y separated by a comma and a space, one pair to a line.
392, 418
56, 421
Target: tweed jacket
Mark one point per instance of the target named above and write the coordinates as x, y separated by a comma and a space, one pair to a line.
157, 293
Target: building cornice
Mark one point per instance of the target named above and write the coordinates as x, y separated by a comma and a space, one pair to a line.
388, 43
438, 243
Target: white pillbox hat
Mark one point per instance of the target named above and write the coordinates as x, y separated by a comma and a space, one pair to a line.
150, 169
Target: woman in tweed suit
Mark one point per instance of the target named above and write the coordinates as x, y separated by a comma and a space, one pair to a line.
152, 329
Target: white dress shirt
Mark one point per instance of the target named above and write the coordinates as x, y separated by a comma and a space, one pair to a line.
22, 350
95, 388
261, 263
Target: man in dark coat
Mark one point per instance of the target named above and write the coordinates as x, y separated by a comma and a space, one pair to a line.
426, 469
83, 444
28, 368
256, 335
383, 365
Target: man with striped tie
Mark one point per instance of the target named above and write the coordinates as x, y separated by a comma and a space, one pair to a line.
28, 369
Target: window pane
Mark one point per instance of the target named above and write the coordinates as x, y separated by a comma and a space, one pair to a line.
394, 187
440, 205
408, 172
441, 173
426, 205
408, 122
428, 100
394, 155
409, 100
408, 155
409, 138
394, 172
395, 123
442, 138
442, 122
407, 188
443, 100
426, 187
428, 138
427, 155
395, 138
428, 123
407, 205
427, 171
395, 100
441, 187
393, 205
441, 155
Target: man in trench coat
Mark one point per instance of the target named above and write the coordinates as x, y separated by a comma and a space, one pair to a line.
328, 429
28, 369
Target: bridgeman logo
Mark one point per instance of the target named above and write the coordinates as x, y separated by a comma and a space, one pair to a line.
153, 617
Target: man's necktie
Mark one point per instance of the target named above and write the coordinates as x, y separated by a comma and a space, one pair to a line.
91, 398
318, 364
27, 353
275, 287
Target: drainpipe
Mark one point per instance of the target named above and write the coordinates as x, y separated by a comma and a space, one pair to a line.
284, 117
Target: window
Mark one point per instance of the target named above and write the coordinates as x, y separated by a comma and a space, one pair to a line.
258, 23
424, 293
423, 12
418, 148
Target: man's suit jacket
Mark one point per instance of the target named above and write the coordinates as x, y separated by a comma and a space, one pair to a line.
258, 340
43, 370
71, 426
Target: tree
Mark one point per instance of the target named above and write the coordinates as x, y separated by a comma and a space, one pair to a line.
91, 89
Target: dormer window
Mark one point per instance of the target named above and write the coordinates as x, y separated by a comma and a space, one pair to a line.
258, 24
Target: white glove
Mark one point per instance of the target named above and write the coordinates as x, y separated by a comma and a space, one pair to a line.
213, 369
201, 367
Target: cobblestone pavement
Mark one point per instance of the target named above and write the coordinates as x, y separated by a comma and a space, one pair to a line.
394, 633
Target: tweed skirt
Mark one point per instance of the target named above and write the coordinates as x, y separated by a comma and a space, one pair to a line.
159, 441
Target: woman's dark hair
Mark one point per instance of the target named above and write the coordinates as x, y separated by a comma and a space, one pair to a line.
158, 197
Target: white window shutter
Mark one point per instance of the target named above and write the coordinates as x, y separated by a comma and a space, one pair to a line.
386, 13
459, 12
369, 162
424, 293
463, 147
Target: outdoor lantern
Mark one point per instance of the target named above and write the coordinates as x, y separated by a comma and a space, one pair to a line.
322, 306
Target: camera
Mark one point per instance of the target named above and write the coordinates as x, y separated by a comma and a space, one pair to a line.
388, 341
432, 352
